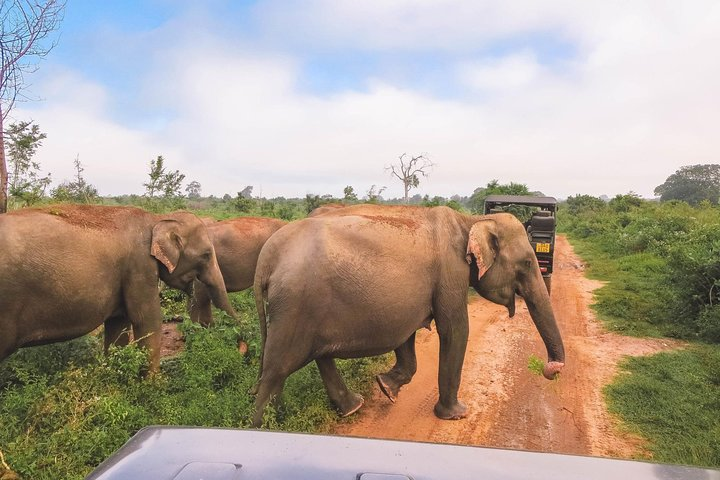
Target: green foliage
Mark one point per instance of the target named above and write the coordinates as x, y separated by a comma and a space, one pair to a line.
163, 190
692, 184
438, 201
244, 204
662, 261
477, 199
349, 195
536, 365
314, 201
78, 190
25, 182
583, 204
66, 407
673, 399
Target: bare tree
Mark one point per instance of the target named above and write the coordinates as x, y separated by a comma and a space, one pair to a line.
409, 171
25, 24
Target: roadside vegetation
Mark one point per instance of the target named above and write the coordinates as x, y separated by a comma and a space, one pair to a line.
661, 262
66, 407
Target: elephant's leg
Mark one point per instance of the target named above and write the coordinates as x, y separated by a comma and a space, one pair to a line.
200, 305
347, 401
453, 333
117, 332
7, 344
402, 372
142, 305
269, 387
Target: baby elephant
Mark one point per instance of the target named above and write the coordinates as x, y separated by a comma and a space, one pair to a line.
237, 243
67, 269
359, 281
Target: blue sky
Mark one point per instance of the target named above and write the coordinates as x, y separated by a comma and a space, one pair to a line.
310, 96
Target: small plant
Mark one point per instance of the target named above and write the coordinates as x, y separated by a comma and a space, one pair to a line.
536, 365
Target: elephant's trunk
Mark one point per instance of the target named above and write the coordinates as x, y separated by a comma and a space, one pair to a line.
213, 280
538, 303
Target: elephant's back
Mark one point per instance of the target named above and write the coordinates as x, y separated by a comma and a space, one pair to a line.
349, 251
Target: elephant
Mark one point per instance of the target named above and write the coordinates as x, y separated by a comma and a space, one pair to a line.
360, 281
237, 243
67, 269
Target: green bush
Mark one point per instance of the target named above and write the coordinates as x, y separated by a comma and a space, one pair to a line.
662, 261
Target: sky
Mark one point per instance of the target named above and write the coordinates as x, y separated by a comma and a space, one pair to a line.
309, 96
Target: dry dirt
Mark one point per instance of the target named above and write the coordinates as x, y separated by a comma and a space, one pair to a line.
509, 406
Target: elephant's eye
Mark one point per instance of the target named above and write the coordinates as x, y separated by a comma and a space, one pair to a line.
206, 256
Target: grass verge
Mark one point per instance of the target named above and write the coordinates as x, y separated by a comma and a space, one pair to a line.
673, 399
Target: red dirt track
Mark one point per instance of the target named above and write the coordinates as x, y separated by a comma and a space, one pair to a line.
509, 406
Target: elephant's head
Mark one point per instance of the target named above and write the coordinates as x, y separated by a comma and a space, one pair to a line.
181, 244
502, 263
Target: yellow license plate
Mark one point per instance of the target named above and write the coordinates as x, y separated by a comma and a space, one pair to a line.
542, 247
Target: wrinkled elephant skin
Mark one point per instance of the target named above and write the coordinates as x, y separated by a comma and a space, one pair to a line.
359, 281
67, 269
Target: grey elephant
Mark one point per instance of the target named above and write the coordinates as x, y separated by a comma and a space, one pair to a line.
237, 243
67, 269
361, 280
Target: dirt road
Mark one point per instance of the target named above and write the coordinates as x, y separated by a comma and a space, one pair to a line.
510, 406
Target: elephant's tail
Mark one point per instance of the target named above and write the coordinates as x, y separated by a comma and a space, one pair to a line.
260, 291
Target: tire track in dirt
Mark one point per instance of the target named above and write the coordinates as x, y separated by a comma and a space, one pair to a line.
510, 407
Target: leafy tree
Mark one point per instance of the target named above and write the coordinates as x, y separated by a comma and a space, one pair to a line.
584, 203
692, 184
25, 24
409, 171
26, 183
244, 202
76, 191
162, 182
477, 199
193, 190
623, 203
163, 191
349, 194
314, 201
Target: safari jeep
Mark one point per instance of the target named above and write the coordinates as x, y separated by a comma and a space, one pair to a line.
538, 216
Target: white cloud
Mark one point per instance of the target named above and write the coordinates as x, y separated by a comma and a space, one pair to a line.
505, 73
75, 119
637, 101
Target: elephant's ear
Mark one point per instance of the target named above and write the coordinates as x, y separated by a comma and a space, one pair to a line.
482, 244
167, 243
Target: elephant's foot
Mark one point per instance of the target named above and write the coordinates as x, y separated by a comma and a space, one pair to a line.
454, 412
350, 404
389, 386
